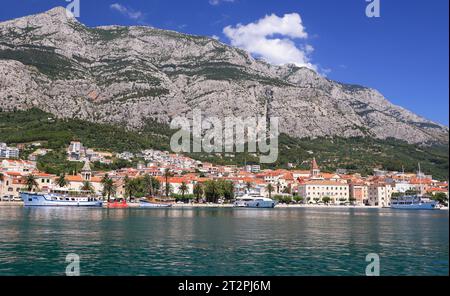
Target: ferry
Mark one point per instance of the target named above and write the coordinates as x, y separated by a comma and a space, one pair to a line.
254, 201
60, 199
414, 202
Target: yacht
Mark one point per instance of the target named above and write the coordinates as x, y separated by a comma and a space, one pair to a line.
60, 199
254, 201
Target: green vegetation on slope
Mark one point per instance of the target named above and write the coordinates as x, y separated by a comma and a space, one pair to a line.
354, 154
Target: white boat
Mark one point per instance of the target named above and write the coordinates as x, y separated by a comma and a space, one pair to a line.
254, 201
59, 200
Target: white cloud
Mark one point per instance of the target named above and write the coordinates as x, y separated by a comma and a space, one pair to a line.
217, 2
215, 37
128, 12
273, 39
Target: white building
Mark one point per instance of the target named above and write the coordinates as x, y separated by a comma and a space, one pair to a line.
380, 194
315, 190
8, 152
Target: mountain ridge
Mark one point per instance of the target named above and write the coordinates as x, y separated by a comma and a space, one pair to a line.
127, 75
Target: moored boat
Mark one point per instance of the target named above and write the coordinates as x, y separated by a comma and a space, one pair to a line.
117, 204
414, 202
154, 203
254, 201
73, 199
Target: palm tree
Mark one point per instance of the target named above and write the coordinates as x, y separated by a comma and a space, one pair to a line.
183, 189
108, 187
87, 186
61, 181
270, 189
198, 191
128, 185
248, 186
167, 174
31, 182
148, 183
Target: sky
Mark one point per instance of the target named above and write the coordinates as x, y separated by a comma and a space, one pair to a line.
403, 53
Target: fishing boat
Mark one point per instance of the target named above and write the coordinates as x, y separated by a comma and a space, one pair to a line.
60, 199
254, 201
155, 203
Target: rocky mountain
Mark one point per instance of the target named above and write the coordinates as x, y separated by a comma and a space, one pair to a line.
127, 75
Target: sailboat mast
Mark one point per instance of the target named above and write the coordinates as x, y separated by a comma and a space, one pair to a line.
420, 180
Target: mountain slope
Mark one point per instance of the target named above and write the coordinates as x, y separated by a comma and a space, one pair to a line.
126, 75
354, 154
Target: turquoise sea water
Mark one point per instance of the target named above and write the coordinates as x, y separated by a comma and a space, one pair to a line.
296, 241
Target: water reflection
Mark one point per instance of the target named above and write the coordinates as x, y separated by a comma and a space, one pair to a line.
222, 241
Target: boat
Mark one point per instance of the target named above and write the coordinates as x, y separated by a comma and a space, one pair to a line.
154, 203
254, 201
118, 204
414, 202
56, 199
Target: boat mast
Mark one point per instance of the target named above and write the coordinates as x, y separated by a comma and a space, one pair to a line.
420, 180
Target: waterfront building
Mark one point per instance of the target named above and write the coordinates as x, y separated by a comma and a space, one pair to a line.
380, 194
315, 190
359, 192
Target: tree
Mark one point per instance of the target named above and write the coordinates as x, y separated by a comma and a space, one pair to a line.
440, 197
227, 189
108, 187
396, 195
61, 181
248, 186
30, 181
212, 191
167, 174
411, 192
198, 191
269, 189
183, 189
298, 199
326, 199
148, 184
129, 186
87, 186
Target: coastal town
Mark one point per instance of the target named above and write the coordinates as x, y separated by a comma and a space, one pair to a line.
189, 181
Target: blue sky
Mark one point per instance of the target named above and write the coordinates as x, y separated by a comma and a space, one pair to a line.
403, 53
